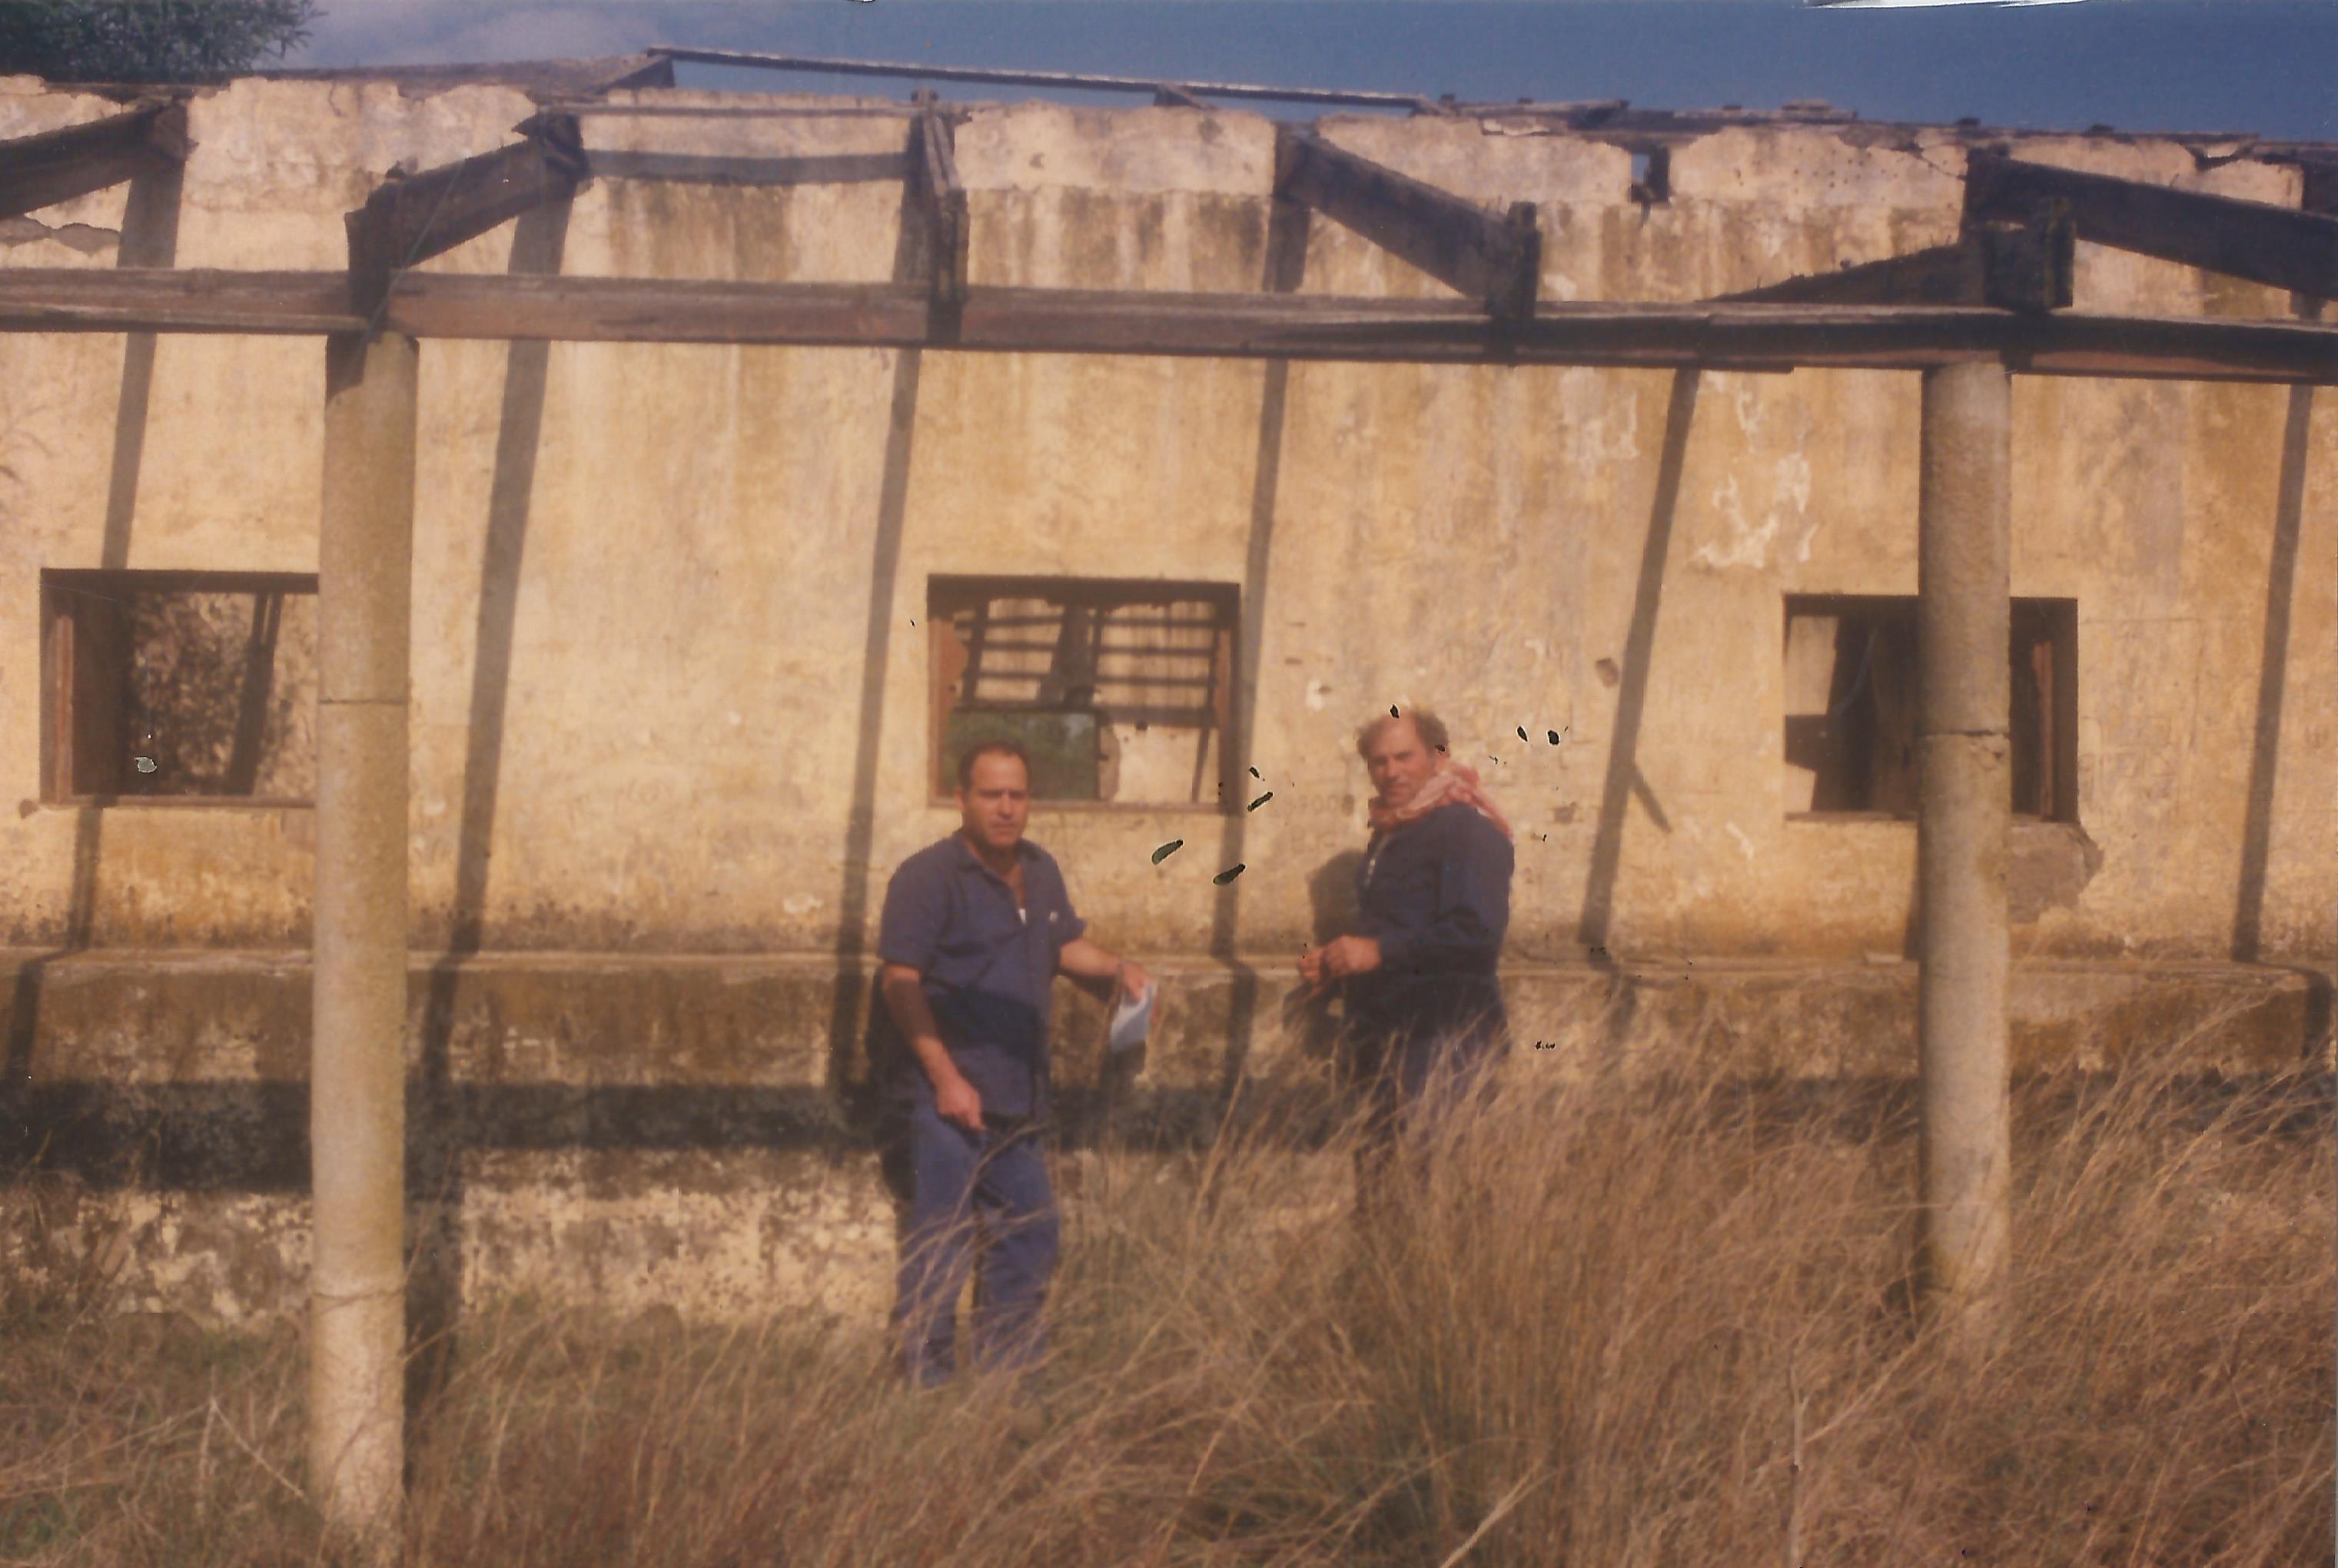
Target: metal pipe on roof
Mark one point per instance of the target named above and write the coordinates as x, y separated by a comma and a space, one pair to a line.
1147, 85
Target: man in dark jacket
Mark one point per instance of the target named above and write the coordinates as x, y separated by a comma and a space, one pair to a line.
1433, 899
974, 931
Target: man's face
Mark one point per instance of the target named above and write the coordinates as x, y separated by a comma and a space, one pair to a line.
1399, 760
996, 804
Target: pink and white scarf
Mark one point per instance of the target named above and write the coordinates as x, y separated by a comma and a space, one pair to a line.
1451, 783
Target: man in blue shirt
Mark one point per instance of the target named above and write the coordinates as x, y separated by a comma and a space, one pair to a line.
975, 930
1433, 899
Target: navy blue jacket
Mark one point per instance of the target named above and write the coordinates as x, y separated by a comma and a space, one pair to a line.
989, 973
1436, 895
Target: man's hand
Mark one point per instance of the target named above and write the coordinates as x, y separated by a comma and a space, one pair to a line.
1134, 980
1310, 969
1346, 955
956, 1101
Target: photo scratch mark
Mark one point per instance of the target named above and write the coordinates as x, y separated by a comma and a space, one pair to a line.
1260, 801
1229, 875
1167, 850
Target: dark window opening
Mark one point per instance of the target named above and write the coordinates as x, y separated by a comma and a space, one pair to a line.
1118, 689
1652, 175
1851, 706
179, 686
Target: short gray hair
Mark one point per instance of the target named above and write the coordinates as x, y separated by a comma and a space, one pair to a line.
1426, 724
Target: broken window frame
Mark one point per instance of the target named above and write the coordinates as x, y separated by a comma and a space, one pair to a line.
1076, 671
2042, 723
83, 708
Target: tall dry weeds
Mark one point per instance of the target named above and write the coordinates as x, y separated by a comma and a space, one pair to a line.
1656, 1322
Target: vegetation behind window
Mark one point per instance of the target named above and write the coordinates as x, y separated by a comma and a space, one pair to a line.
179, 684
1851, 706
1118, 688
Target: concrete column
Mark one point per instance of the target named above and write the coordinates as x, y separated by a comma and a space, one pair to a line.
1965, 805
356, 1108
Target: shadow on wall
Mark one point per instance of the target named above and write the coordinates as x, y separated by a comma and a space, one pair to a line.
2280, 579
848, 1075
434, 1169
150, 238
1623, 780
1285, 269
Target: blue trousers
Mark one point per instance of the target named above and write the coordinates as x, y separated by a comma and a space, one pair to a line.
978, 1203
1412, 1081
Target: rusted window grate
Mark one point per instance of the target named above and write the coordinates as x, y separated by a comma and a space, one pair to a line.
1118, 688
178, 687
1851, 706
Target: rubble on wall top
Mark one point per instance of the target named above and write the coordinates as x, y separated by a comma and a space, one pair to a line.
573, 84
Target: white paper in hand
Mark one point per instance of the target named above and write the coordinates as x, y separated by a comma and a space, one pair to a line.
1130, 1021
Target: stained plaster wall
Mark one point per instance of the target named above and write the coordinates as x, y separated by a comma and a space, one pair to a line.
658, 712
684, 680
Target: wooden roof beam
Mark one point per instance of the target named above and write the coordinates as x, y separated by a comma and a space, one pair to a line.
2013, 266
2279, 246
54, 166
1494, 259
411, 218
1750, 336
934, 185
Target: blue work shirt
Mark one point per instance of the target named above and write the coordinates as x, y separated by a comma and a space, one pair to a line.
1436, 895
988, 969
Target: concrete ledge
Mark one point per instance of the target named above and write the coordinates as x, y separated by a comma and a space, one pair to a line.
683, 1131
793, 1021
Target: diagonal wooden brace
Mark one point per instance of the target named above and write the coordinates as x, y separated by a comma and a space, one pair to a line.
411, 218
1493, 258
56, 166
2020, 266
941, 199
2280, 246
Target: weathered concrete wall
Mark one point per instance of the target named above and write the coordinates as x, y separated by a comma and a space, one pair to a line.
648, 1130
643, 574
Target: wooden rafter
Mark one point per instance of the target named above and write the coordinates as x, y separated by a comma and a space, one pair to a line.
1754, 337
934, 183
57, 165
2280, 246
2015, 266
412, 218
1493, 259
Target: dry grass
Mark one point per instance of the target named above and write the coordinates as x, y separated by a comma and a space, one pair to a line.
1657, 1324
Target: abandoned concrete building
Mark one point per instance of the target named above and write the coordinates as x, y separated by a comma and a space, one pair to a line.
700, 612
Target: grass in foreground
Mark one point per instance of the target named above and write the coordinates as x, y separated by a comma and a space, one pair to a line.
1665, 1324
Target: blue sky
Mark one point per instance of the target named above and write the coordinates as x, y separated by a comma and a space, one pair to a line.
2267, 66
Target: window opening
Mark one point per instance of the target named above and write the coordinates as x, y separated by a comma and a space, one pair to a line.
1851, 706
179, 686
1118, 688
